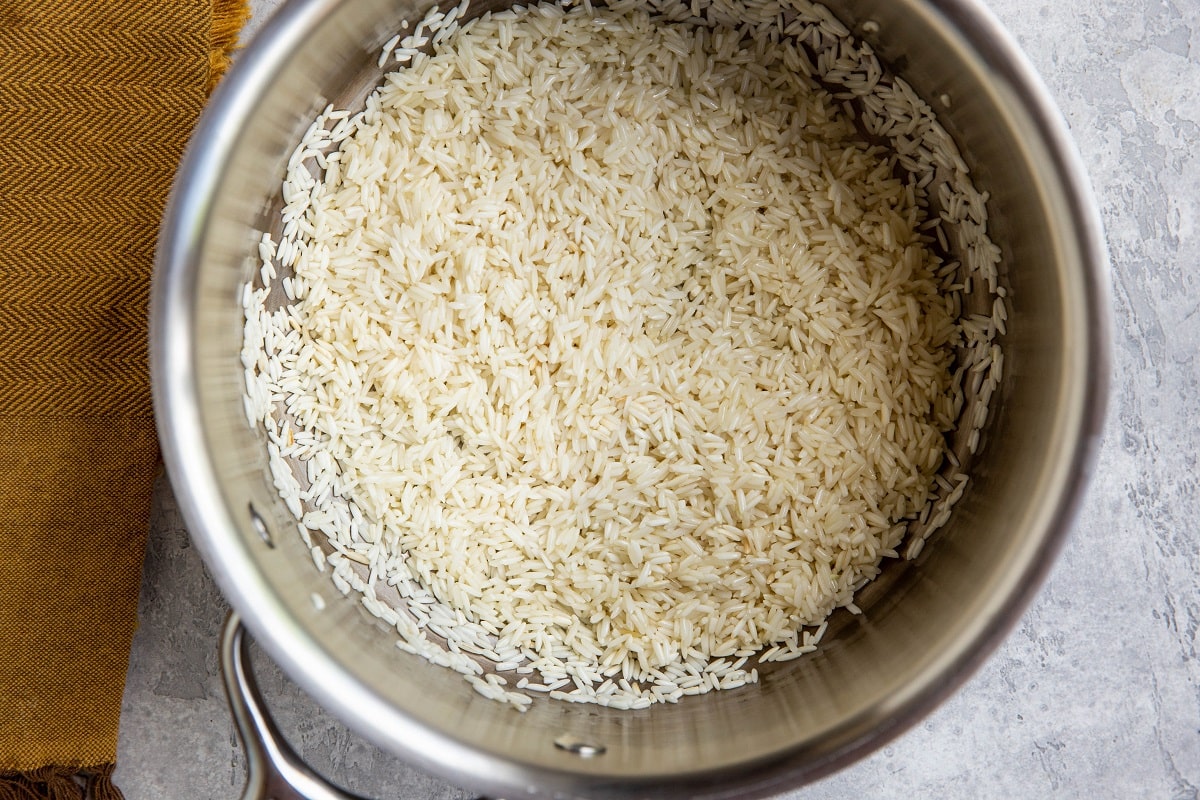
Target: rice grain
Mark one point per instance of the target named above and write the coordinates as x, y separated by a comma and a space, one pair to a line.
612, 352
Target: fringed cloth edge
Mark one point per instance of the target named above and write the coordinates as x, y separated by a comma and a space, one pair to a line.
229, 16
60, 783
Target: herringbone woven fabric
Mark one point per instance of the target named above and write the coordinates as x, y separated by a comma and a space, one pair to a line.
97, 100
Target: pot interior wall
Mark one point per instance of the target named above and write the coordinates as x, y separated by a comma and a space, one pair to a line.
926, 622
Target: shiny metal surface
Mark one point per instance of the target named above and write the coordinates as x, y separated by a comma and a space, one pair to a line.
273, 771
918, 640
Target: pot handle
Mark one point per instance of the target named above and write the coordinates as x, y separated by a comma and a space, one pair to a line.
273, 770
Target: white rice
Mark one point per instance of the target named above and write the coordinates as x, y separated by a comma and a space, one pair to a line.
611, 355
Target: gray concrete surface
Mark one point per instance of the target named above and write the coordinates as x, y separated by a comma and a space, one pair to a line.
1096, 694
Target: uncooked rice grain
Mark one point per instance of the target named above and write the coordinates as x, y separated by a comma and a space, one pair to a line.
612, 354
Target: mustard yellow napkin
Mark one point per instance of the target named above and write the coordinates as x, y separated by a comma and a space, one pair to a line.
97, 99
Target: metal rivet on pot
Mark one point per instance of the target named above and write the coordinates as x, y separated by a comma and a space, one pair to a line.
579, 747
870, 26
260, 526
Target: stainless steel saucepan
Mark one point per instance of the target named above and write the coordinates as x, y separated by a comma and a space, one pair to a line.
872, 678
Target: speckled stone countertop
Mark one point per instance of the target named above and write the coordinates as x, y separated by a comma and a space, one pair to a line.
1096, 694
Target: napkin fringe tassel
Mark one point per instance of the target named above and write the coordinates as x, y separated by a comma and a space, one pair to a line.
228, 18
60, 783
